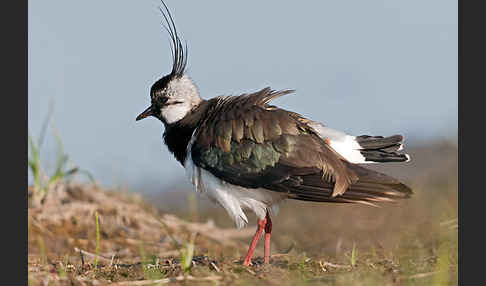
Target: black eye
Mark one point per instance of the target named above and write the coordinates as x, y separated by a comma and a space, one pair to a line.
159, 100
174, 103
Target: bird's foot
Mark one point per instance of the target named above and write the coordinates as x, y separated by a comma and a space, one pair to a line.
247, 262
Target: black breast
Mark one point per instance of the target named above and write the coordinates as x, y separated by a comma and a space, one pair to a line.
176, 138
178, 135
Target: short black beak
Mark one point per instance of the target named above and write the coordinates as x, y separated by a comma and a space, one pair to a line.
147, 112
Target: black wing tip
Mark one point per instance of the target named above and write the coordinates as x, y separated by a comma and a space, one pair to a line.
405, 189
379, 142
380, 156
382, 149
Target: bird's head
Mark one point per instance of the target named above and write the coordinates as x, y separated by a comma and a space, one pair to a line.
174, 95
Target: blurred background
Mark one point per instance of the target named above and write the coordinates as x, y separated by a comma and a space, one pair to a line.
364, 67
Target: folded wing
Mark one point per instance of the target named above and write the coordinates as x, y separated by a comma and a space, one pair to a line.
249, 143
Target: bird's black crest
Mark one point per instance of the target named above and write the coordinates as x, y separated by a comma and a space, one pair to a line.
179, 52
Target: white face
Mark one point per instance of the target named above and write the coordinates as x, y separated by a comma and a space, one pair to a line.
182, 97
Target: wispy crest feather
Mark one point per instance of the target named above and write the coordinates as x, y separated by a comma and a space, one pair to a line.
179, 52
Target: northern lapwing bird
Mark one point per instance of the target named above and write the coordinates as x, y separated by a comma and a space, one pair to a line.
244, 153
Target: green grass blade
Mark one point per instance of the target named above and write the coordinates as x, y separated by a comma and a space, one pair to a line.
88, 174
45, 123
188, 254
97, 251
354, 254
34, 164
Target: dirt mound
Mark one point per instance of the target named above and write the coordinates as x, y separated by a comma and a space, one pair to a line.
62, 235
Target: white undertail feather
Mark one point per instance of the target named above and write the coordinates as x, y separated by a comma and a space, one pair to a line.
234, 199
348, 148
341, 142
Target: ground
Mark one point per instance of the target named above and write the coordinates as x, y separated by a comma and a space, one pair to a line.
82, 234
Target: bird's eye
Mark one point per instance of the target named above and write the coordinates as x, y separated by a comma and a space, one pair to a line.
174, 103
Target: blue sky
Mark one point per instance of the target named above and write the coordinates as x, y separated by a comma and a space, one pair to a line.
365, 67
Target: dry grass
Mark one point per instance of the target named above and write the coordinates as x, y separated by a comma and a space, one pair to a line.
401, 245
134, 237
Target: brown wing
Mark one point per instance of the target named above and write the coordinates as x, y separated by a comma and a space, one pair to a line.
249, 143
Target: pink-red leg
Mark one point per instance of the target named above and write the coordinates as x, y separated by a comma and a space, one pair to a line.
268, 232
254, 241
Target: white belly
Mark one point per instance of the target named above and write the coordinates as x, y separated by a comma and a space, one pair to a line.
231, 197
